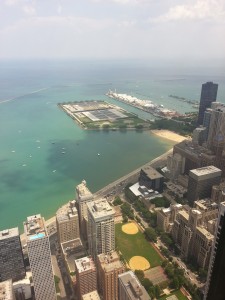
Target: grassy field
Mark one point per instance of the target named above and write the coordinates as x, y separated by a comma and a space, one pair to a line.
131, 245
178, 293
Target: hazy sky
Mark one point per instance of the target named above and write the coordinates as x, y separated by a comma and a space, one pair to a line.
188, 30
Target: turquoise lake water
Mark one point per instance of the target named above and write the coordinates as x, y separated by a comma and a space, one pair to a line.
35, 176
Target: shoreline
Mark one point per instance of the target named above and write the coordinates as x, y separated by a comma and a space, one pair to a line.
132, 177
169, 135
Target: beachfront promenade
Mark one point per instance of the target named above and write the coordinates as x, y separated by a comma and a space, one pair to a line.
112, 189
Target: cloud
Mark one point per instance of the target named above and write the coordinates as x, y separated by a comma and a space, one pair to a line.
59, 9
29, 10
11, 2
201, 9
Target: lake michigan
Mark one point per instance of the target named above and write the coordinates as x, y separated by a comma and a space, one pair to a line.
35, 176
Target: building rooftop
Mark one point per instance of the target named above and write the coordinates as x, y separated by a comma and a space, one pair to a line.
6, 290
85, 264
67, 212
34, 227
184, 214
205, 205
8, 233
110, 261
91, 296
151, 172
133, 287
141, 190
100, 209
205, 233
206, 171
83, 191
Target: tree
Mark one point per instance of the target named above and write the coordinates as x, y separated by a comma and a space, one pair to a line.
139, 126
117, 201
165, 237
140, 274
125, 219
146, 283
151, 234
157, 291
175, 283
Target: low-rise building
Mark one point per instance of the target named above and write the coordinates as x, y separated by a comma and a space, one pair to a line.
6, 290
22, 289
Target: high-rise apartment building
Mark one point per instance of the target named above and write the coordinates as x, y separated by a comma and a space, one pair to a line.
217, 125
11, 255
130, 288
67, 222
200, 183
83, 196
218, 193
6, 290
109, 267
167, 216
214, 288
193, 231
208, 95
101, 227
86, 276
40, 258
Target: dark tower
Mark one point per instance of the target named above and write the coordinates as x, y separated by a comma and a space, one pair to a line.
208, 95
215, 289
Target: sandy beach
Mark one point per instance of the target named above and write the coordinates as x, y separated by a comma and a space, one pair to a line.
170, 135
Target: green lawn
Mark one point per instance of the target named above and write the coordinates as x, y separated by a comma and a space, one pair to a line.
135, 244
178, 293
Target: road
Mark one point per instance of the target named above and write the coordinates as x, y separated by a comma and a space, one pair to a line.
187, 272
118, 186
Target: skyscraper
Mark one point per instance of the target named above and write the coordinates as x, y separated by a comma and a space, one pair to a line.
67, 222
109, 267
214, 288
83, 196
101, 227
11, 255
200, 183
86, 276
40, 258
208, 95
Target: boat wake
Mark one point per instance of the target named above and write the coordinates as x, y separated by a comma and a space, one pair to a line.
27, 94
